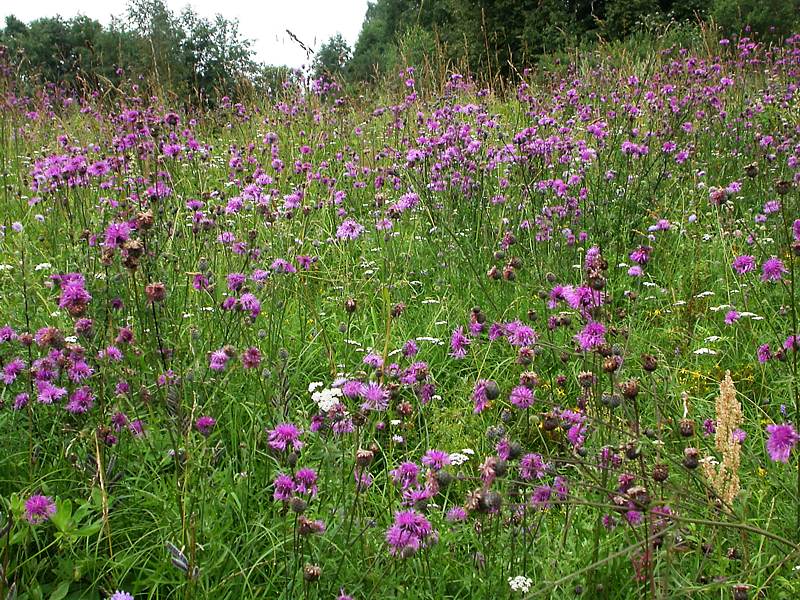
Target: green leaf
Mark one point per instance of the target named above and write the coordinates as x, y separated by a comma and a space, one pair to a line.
63, 515
89, 530
61, 591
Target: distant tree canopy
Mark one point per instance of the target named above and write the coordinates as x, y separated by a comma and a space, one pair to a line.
184, 53
494, 36
201, 60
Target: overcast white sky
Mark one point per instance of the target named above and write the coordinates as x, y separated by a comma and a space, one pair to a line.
265, 21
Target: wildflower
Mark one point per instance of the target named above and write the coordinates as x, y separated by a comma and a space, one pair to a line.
218, 360
39, 508
251, 358
591, 336
532, 465
744, 264
520, 583
249, 303
480, 395
81, 401
12, 369
773, 269
459, 343
306, 481
375, 397
521, 396
731, 317
284, 435
120, 596
782, 439
284, 488
74, 297
21, 400
373, 360
405, 475
205, 424
436, 459
349, 230
456, 515
409, 533
764, 353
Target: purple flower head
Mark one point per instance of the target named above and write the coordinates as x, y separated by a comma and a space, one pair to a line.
436, 459
744, 264
284, 488
764, 353
205, 424
410, 532
459, 343
731, 317
285, 435
591, 336
773, 269
782, 439
349, 230
456, 515
405, 475
39, 508
532, 465
306, 481
521, 397
375, 397
120, 596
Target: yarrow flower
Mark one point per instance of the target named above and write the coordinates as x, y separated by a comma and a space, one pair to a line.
39, 508
782, 439
520, 583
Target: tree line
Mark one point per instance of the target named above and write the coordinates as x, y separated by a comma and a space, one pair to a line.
497, 37
200, 59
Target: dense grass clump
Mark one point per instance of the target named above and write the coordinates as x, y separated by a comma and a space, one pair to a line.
448, 345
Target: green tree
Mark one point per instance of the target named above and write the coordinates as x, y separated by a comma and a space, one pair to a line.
332, 57
767, 17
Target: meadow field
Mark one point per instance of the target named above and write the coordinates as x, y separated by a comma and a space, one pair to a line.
436, 341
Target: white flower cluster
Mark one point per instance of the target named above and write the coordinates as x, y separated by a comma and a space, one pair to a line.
520, 583
459, 458
327, 399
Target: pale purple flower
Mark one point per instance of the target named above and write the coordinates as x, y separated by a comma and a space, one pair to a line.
782, 439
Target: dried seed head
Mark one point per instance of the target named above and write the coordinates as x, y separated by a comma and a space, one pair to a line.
660, 472
630, 388
298, 505
364, 457
312, 573
586, 379
691, 458
649, 363
155, 292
